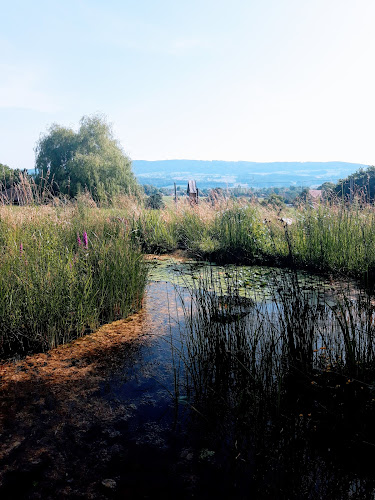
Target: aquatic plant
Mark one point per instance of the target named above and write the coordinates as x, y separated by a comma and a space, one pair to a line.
264, 363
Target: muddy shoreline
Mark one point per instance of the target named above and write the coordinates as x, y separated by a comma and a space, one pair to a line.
58, 432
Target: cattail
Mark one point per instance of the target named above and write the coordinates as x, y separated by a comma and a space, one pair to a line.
85, 240
21, 249
79, 240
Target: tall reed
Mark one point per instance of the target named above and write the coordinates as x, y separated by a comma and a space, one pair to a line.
289, 353
63, 272
333, 237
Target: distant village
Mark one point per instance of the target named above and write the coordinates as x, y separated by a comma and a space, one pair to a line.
274, 195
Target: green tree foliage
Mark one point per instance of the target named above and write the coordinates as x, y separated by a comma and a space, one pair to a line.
275, 200
328, 191
149, 189
327, 186
303, 196
155, 201
360, 183
9, 177
89, 159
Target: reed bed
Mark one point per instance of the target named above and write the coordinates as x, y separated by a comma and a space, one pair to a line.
334, 237
300, 362
52, 289
63, 272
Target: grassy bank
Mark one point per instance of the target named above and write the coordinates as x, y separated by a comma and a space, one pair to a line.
338, 238
63, 272
55, 286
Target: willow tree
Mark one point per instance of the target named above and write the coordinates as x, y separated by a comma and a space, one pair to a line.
90, 159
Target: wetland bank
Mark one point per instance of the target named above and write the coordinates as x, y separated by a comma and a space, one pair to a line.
232, 381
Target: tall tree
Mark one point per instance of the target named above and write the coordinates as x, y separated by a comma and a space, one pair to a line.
360, 183
9, 177
89, 159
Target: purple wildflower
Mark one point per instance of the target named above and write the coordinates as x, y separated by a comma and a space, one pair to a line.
85, 240
79, 240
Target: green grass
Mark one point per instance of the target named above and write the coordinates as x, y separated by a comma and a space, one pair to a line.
169, 201
335, 238
54, 289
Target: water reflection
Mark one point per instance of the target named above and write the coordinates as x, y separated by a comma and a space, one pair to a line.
241, 398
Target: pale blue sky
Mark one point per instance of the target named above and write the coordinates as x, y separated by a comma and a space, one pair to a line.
256, 80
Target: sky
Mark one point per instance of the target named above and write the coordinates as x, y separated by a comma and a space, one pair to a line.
250, 80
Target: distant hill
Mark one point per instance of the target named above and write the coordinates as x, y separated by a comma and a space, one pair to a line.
208, 174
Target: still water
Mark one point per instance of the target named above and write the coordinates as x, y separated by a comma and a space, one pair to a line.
201, 421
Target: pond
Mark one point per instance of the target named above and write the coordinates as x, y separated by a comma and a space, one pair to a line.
243, 383
224, 423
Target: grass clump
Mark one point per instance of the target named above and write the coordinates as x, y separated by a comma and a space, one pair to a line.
62, 274
334, 237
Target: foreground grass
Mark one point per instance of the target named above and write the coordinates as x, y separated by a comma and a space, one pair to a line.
63, 272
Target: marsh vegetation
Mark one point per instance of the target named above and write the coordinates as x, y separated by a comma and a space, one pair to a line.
282, 382
336, 237
260, 373
64, 271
